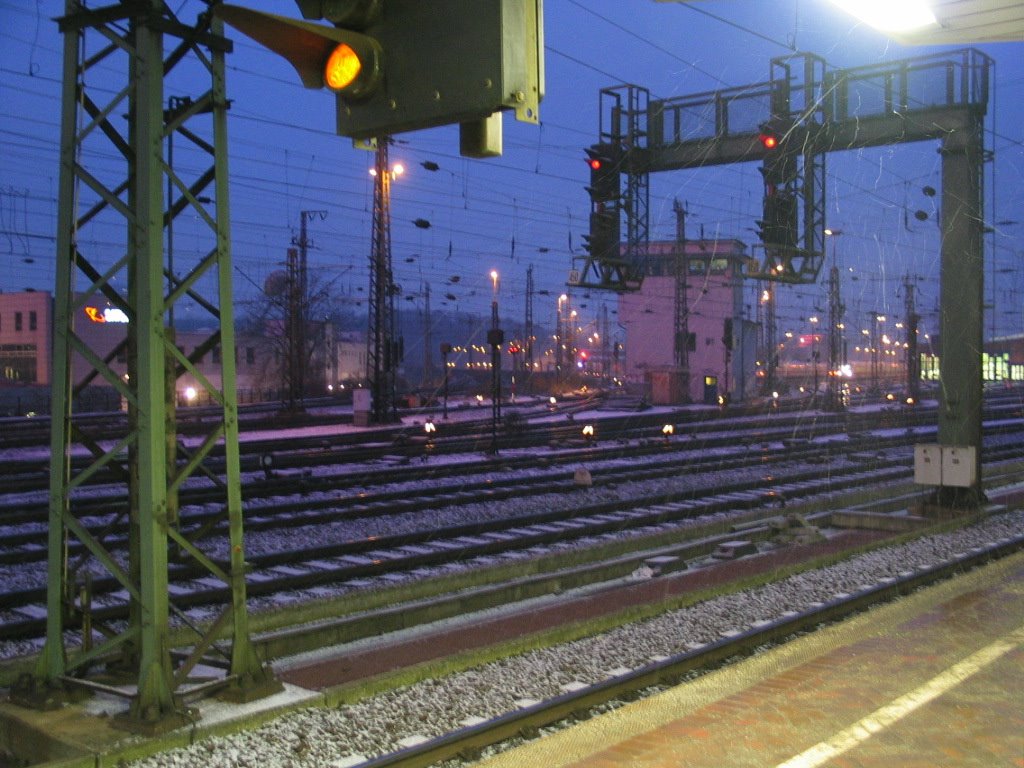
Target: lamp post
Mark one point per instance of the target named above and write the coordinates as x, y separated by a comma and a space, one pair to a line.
495, 337
876, 318
835, 325
381, 349
445, 351
813, 320
560, 341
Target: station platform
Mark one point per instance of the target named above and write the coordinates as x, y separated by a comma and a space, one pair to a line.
933, 680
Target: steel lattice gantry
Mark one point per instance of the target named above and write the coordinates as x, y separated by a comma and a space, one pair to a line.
112, 220
814, 110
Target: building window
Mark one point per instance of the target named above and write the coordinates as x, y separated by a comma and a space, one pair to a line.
17, 321
18, 363
32, 321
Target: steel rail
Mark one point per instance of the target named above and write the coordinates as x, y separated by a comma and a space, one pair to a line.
575, 704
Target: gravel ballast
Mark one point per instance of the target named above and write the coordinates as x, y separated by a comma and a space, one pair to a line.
333, 736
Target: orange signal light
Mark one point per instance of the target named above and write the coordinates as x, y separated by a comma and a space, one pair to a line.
342, 68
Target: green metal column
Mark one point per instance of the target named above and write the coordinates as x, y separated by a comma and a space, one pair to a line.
154, 701
51, 664
961, 296
250, 678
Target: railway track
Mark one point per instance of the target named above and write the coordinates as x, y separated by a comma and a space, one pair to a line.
325, 467
375, 556
467, 742
340, 455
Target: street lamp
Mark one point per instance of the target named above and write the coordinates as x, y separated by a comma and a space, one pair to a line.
445, 351
381, 349
876, 318
835, 324
814, 350
560, 340
495, 337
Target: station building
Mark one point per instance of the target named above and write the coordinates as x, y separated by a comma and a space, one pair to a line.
723, 341
1001, 361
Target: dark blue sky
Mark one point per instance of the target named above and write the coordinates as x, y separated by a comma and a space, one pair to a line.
529, 207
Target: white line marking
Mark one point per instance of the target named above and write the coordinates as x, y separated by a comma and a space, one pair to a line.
899, 708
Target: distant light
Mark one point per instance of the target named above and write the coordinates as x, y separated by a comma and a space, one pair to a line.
668, 430
398, 170
588, 431
775, 395
429, 427
190, 393
890, 15
552, 400
106, 315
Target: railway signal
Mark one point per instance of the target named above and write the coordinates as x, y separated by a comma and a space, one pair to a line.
778, 227
605, 172
405, 65
602, 241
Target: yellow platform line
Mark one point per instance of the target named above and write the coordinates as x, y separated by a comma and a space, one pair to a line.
898, 708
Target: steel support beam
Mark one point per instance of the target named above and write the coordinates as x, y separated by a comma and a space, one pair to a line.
961, 291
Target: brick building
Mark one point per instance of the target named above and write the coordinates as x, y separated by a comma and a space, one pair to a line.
26, 350
722, 343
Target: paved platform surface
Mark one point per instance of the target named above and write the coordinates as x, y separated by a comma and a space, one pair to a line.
933, 680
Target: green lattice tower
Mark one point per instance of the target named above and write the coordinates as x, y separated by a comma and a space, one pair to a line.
128, 121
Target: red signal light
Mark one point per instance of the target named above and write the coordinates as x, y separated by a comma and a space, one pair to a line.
594, 164
769, 141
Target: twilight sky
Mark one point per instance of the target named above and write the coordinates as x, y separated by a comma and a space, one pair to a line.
529, 207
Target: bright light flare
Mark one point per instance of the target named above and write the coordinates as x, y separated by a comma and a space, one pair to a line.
890, 15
